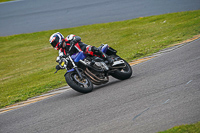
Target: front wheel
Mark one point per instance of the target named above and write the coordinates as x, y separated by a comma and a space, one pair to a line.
82, 86
124, 73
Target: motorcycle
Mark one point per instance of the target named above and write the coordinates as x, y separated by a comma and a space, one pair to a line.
83, 71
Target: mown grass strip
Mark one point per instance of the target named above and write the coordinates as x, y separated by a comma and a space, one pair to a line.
189, 128
5, 0
28, 61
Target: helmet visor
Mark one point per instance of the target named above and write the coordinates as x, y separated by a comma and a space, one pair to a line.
57, 47
54, 41
53, 44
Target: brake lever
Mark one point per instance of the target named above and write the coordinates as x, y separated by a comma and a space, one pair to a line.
57, 68
56, 71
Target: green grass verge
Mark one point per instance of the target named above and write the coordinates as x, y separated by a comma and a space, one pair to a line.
28, 61
5, 0
191, 128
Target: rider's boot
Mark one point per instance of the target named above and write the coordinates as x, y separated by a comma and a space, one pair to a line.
108, 59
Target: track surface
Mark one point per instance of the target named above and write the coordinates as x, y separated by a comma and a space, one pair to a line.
27, 16
162, 92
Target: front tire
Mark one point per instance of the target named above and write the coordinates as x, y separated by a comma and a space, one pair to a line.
82, 86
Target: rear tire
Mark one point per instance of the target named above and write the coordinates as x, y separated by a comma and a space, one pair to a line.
124, 73
82, 86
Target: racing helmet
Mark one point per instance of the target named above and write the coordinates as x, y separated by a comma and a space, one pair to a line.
56, 40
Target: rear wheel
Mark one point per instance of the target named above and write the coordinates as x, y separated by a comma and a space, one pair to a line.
82, 86
124, 73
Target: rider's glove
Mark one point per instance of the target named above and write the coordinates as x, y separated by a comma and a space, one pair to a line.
61, 55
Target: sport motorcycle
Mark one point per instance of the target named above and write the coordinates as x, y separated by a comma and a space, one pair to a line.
83, 70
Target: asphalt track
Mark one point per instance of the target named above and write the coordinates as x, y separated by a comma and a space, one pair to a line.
26, 16
162, 92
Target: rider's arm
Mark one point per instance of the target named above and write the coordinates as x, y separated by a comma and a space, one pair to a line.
61, 55
60, 52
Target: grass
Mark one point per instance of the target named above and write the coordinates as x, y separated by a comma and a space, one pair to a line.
28, 61
192, 128
5, 0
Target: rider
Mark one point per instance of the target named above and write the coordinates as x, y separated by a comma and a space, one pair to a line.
59, 43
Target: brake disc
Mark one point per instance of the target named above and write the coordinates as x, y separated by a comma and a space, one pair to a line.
83, 82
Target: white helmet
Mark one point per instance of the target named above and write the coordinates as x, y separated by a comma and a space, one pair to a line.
56, 40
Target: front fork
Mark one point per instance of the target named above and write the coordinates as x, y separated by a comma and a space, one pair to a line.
75, 68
